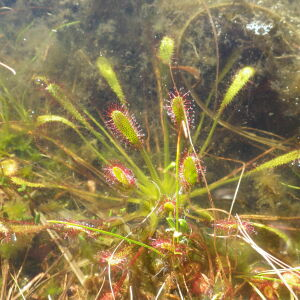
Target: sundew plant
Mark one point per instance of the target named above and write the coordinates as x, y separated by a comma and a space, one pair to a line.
120, 209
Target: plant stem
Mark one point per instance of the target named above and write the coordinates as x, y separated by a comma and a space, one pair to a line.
230, 62
177, 179
211, 132
163, 120
149, 164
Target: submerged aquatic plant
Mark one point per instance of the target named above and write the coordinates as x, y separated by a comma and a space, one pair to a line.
124, 126
190, 170
118, 175
148, 228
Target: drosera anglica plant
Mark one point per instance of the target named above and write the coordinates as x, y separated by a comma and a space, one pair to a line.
124, 126
166, 50
190, 171
119, 176
180, 109
110, 76
167, 237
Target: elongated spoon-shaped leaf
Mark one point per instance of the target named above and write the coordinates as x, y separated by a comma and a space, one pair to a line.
54, 118
279, 160
21, 181
166, 50
110, 76
240, 79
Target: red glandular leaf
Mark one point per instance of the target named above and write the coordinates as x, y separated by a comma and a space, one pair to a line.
123, 126
118, 175
180, 109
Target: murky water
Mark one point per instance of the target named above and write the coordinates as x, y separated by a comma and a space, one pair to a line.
58, 147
